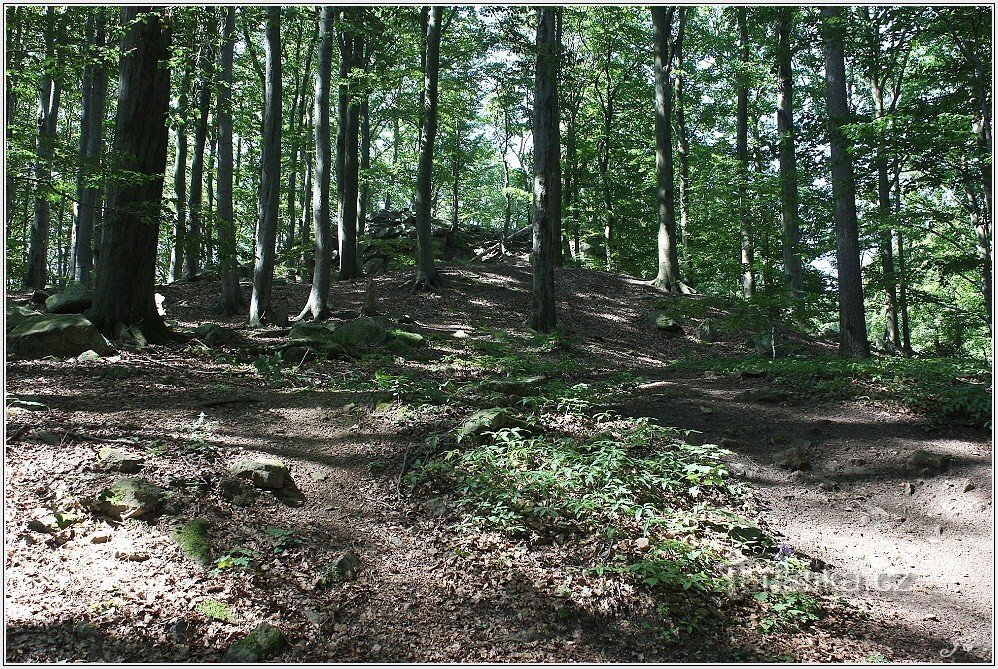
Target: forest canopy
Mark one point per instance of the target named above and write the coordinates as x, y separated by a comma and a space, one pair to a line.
432, 115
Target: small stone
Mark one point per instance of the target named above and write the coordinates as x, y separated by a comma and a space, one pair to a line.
101, 537
908, 488
264, 641
793, 459
268, 473
641, 543
130, 497
927, 462
461, 334
46, 524
237, 491
211, 334
968, 485
343, 568
665, 323
118, 460
89, 355
47, 438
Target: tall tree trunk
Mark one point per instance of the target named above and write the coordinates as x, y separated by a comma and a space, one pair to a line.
306, 261
853, 342
682, 137
180, 177
903, 298
351, 52
317, 306
668, 277
15, 58
231, 300
741, 150
427, 277
789, 207
49, 97
88, 191
364, 201
297, 150
125, 281
568, 199
547, 168
270, 174
192, 237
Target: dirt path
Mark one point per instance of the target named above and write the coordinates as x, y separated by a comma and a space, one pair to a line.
915, 551
424, 591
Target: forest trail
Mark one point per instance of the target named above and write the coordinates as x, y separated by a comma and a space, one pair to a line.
428, 592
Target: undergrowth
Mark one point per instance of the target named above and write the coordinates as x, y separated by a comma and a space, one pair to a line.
943, 389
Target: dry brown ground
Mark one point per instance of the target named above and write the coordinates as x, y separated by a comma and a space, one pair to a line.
426, 592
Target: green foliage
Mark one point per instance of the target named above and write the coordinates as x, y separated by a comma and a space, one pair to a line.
788, 610
270, 368
214, 609
193, 540
944, 389
282, 539
239, 558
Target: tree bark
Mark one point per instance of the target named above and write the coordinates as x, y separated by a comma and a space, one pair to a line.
231, 299
49, 97
853, 342
789, 199
192, 237
317, 306
180, 177
125, 281
427, 277
88, 192
270, 174
364, 201
547, 169
741, 151
668, 277
351, 55
682, 135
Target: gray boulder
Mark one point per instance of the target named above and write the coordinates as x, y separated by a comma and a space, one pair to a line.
927, 462
792, 459
130, 497
211, 334
489, 420
522, 386
59, 335
663, 322
262, 472
117, 460
75, 298
343, 568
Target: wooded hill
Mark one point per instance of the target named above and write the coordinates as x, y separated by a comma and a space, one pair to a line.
800, 157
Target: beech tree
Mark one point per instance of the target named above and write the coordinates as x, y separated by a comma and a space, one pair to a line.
789, 213
853, 341
124, 286
270, 172
427, 277
231, 300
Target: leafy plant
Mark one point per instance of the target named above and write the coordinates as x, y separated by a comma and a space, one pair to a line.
788, 610
239, 558
282, 539
214, 609
270, 367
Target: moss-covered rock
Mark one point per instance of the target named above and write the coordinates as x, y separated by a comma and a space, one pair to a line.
263, 642
118, 460
489, 420
211, 334
17, 315
792, 459
361, 333
237, 491
665, 322
521, 386
130, 497
408, 339
193, 540
928, 462
59, 335
704, 332
342, 568
74, 299
262, 472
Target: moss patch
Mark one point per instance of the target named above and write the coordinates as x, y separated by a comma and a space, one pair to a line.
193, 540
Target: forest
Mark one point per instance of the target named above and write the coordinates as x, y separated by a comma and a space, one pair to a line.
498, 333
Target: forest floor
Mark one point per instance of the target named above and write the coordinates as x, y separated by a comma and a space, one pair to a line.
898, 562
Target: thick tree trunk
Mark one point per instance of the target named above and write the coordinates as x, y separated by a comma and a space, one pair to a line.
193, 236
88, 191
547, 168
682, 136
317, 306
306, 262
427, 277
853, 342
125, 281
789, 207
668, 277
741, 150
49, 97
270, 174
231, 300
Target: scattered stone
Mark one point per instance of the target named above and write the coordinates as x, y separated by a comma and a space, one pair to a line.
100, 537
908, 488
59, 335
299, 355
489, 420
792, 459
75, 298
523, 386
310, 332
663, 322
47, 437
704, 332
968, 485
237, 491
641, 543
753, 373
44, 524
343, 568
929, 463
89, 355
263, 642
361, 333
460, 334
211, 334
118, 460
131, 556
409, 339
263, 473
26, 405
130, 497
